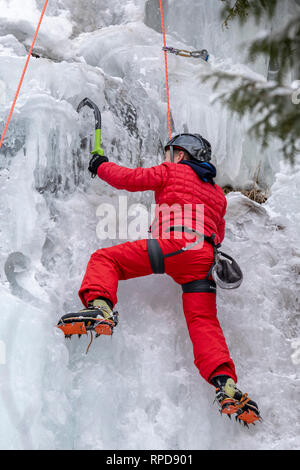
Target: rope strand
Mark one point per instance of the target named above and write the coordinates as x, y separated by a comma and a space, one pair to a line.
23, 75
91, 340
166, 69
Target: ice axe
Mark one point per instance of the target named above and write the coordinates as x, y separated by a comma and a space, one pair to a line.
98, 150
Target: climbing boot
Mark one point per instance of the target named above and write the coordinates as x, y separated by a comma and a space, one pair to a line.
233, 402
98, 317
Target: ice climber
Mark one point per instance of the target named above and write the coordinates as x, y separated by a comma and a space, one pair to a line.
184, 179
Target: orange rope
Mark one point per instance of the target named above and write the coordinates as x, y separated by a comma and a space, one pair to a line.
166, 68
23, 75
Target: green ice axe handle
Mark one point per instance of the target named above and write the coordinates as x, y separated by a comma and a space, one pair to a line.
98, 150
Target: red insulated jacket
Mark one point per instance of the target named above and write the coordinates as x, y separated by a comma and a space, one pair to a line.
174, 185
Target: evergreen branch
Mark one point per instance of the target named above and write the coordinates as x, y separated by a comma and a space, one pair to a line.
269, 103
242, 9
283, 49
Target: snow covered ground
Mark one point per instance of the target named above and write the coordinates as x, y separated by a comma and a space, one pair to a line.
140, 389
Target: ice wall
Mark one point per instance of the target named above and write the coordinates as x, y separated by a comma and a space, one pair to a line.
52, 394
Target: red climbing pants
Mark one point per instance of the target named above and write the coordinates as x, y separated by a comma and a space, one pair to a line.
128, 260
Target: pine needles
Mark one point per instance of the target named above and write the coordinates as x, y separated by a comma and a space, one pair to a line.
275, 113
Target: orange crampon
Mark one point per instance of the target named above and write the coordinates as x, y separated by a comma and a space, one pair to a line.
246, 410
233, 401
71, 325
98, 317
89, 320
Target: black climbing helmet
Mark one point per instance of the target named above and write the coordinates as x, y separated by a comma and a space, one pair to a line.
196, 146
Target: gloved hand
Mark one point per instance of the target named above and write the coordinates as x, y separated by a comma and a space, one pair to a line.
95, 162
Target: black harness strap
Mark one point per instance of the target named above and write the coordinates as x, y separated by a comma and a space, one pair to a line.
203, 285
156, 256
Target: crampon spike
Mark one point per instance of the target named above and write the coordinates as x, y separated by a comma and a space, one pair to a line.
248, 417
242, 411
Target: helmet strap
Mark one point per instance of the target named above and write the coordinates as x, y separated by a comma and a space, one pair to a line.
172, 153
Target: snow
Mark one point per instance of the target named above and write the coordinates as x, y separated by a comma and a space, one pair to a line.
140, 389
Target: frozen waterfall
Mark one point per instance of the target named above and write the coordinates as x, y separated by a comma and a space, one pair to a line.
140, 389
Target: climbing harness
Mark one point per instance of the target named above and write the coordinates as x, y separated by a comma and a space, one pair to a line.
98, 150
23, 74
203, 54
157, 260
225, 271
